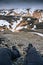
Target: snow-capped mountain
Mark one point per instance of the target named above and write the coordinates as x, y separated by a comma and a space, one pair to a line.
13, 12
18, 19
15, 26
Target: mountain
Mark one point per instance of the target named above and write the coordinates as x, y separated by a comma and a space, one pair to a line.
18, 19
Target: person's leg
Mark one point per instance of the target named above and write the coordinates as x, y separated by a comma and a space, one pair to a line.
16, 53
33, 57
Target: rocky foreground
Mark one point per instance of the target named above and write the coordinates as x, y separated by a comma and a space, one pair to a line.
21, 41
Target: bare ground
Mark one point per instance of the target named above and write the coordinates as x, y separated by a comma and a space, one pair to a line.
22, 39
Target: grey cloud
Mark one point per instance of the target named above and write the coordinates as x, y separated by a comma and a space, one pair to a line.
20, 1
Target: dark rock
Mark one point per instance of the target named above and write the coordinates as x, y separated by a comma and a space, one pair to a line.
39, 25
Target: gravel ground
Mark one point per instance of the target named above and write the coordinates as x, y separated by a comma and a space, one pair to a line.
21, 41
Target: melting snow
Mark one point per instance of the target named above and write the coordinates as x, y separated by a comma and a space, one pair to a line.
34, 27
40, 20
4, 22
12, 13
29, 19
20, 10
19, 28
16, 23
40, 34
2, 30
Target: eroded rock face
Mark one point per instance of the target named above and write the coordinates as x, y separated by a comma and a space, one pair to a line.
38, 14
39, 25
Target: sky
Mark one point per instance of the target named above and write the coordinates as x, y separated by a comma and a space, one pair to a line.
33, 4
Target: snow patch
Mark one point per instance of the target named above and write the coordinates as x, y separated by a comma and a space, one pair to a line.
34, 27
40, 20
29, 19
12, 13
4, 22
40, 34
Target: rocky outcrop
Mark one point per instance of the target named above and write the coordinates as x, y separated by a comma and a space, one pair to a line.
38, 14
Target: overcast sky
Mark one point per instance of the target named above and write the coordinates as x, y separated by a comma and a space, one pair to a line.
21, 4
